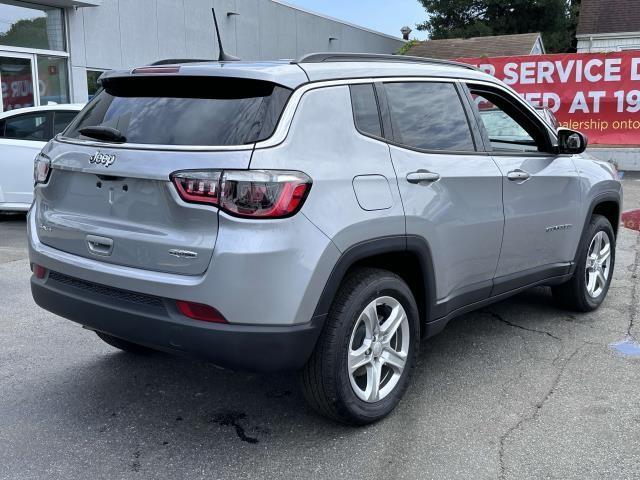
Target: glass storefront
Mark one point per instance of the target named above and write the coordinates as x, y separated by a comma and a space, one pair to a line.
16, 76
92, 81
31, 72
30, 26
53, 80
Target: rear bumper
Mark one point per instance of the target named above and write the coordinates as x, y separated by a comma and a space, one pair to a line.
156, 323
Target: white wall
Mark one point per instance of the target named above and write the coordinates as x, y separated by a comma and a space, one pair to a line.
128, 33
608, 43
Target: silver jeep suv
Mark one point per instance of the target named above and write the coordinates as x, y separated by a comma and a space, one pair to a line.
322, 215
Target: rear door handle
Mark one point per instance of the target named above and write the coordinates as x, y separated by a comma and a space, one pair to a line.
518, 175
422, 176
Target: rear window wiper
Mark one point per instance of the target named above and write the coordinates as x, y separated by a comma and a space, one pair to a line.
101, 132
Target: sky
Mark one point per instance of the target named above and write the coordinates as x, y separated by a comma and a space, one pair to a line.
387, 16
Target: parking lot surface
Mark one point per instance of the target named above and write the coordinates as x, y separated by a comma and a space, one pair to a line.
517, 390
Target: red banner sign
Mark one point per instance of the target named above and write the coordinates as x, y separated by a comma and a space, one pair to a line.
596, 93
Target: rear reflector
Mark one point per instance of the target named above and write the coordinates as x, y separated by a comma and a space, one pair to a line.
39, 271
198, 311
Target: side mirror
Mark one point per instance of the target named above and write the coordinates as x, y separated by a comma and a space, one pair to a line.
571, 142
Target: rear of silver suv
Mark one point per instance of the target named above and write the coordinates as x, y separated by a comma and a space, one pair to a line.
307, 217
163, 237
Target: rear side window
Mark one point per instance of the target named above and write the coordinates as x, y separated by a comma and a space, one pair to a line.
61, 120
30, 126
185, 110
365, 109
428, 116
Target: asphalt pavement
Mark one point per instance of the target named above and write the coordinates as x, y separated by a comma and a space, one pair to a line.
518, 390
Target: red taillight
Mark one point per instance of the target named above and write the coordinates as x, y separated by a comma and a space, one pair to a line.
198, 187
41, 168
198, 311
39, 271
245, 193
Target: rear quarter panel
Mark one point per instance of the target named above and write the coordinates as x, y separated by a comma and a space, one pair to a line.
598, 182
324, 143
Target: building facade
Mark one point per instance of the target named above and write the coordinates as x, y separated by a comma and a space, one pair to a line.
608, 26
490, 46
53, 51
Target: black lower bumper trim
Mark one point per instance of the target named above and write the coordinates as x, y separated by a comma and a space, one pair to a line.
238, 347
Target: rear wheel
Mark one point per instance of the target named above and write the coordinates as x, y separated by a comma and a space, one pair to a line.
589, 285
123, 344
363, 360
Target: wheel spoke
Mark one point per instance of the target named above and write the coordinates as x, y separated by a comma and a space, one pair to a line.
597, 243
591, 285
391, 324
370, 319
374, 375
604, 254
395, 360
358, 358
601, 279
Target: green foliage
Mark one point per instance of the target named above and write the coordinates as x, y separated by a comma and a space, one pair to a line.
555, 19
406, 47
27, 33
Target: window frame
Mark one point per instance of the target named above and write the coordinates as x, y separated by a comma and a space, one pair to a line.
49, 130
523, 109
471, 121
382, 136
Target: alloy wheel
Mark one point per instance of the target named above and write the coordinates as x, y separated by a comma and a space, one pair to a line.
378, 349
598, 264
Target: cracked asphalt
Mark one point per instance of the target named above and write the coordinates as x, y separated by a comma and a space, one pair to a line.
518, 390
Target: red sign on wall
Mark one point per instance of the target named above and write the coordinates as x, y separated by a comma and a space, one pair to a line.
596, 93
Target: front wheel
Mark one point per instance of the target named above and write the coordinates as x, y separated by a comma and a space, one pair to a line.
590, 283
363, 360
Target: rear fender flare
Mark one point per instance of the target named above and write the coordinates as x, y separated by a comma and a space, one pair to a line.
370, 248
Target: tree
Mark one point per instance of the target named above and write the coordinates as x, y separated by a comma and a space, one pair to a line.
27, 33
555, 19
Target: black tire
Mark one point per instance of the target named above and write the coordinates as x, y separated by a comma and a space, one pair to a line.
325, 379
124, 345
573, 294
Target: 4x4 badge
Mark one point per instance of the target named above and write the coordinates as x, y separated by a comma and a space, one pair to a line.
102, 159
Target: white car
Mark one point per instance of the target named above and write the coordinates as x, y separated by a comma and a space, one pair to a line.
23, 133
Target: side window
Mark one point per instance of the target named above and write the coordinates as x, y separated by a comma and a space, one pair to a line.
61, 120
429, 116
365, 109
31, 126
509, 128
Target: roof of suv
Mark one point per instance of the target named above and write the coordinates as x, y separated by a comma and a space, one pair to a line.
314, 67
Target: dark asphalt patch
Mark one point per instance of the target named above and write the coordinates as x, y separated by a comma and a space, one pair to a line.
232, 419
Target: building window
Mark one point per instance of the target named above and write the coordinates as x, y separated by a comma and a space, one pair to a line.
92, 81
31, 26
17, 83
53, 80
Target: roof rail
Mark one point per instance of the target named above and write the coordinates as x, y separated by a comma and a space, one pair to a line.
376, 57
175, 61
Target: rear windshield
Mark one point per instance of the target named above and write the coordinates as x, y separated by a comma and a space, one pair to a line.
185, 110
